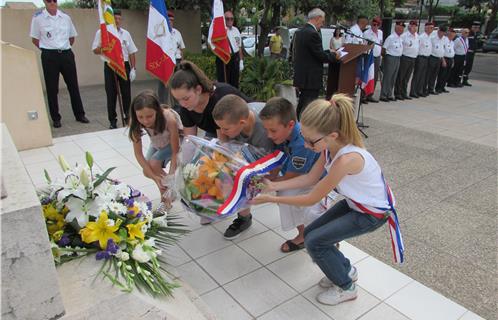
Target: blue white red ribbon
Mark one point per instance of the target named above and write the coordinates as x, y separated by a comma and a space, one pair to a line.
243, 178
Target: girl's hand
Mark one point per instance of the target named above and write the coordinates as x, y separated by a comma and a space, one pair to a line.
269, 186
262, 198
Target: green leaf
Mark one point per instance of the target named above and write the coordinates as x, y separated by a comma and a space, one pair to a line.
47, 176
102, 177
89, 159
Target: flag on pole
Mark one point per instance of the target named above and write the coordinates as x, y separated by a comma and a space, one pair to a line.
110, 41
367, 75
218, 33
160, 47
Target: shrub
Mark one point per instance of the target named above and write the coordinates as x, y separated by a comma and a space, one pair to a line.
205, 61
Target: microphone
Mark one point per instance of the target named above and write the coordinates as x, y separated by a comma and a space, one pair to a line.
339, 26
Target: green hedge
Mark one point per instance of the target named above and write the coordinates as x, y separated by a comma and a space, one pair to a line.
205, 61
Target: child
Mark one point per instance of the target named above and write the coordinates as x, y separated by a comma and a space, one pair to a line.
329, 127
280, 121
162, 124
237, 122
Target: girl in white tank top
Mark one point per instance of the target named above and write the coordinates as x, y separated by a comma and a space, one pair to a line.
329, 127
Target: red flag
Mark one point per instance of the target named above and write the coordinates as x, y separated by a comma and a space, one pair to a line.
111, 44
218, 33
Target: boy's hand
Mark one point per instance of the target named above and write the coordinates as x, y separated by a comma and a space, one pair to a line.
262, 198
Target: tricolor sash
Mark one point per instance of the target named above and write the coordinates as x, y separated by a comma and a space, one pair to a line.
243, 176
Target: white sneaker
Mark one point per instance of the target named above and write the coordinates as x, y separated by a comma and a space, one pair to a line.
335, 295
326, 283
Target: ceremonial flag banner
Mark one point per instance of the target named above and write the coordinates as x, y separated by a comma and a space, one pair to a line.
218, 33
110, 42
367, 76
161, 47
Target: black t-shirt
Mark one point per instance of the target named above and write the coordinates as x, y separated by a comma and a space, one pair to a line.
205, 120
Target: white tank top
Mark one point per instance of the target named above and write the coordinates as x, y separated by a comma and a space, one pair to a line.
366, 187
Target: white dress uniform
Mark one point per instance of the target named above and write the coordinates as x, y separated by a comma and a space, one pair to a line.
407, 64
180, 45
54, 33
390, 65
435, 61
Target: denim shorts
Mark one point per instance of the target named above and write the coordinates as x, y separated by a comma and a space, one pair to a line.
163, 154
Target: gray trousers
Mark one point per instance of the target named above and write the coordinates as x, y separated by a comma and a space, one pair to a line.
406, 66
432, 72
390, 67
376, 70
419, 80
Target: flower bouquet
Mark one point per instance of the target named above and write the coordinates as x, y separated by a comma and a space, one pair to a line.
216, 180
88, 213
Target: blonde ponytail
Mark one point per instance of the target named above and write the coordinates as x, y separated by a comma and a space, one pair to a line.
335, 115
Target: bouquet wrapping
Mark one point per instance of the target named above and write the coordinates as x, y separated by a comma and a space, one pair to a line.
216, 180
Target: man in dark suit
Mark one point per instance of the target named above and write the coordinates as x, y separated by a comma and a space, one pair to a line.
309, 58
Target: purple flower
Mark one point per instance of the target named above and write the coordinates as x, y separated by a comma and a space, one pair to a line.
135, 193
64, 241
102, 255
112, 247
149, 205
139, 214
129, 202
45, 200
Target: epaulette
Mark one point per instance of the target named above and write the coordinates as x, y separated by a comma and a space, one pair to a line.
37, 13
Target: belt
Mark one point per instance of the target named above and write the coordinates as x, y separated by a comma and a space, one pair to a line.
56, 50
435, 57
390, 55
407, 57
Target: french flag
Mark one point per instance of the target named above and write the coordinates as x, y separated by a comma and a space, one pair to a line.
160, 46
218, 33
367, 75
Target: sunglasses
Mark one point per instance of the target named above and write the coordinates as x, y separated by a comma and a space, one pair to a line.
228, 18
49, 1
375, 24
313, 143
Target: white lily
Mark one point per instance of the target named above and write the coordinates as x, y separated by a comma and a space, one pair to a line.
76, 211
72, 187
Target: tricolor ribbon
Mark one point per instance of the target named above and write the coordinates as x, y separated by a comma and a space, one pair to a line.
243, 177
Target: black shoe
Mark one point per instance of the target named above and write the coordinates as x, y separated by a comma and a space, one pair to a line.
238, 225
83, 119
392, 99
407, 98
414, 96
433, 92
467, 84
57, 124
372, 99
460, 85
423, 95
113, 125
400, 98
445, 91
452, 86
384, 99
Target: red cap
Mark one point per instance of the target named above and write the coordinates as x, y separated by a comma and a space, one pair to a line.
171, 14
400, 23
377, 20
413, 23
429, 24
451, 30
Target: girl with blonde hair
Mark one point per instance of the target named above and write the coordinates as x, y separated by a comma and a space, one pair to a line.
329, 127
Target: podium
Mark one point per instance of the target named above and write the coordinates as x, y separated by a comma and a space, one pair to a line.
342, 74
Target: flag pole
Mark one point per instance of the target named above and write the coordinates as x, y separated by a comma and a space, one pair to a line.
120, 99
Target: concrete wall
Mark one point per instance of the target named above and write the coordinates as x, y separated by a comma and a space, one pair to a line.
21, 92
16, 26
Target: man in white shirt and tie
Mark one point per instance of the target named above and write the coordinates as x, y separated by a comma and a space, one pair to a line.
375, 35
393, 47
436, 60
236, 64
461, 45
407, 63
419, 80
449, 54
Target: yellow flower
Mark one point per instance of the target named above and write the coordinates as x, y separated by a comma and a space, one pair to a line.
133, 210
53, 219
101, 231
135, 230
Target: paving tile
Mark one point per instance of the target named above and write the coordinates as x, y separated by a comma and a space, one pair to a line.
384, 312
379, 279
175, 256
268, 215
291, 234
264, 247
228, 264
469, 315
36, 155
92, 145
65, 149
480, 197
352, 253
224, 306
123, 171
297, 308
200, 281
297, 270
347, 310
138, 181
420, 302
203, 241
254, 229
248, 291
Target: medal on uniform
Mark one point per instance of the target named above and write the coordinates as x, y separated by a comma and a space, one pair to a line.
49, 35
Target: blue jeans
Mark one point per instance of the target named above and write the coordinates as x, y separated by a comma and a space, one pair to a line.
163, 154
339, 223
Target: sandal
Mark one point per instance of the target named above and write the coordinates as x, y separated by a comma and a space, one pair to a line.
292, 246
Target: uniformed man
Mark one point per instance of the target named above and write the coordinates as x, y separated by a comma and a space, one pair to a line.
419, 80
375, 35
475, 34
53, 32
407, 62
236, 64
356, 32
447, 65
393, 47
436, 60
110, 77
461, 44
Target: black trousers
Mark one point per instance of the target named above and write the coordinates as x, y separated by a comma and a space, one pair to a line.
110, 79
232, 70
444, 74
406, 66
376, 70
432, 72
469, 62
305, 97
55, 62
457, 71
419, 80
